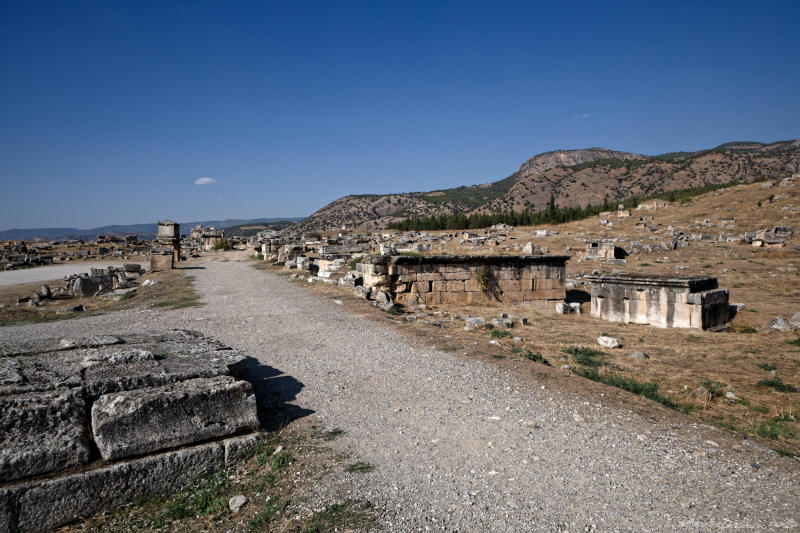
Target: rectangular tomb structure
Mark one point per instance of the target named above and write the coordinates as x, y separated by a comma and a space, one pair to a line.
467, 279
664, 301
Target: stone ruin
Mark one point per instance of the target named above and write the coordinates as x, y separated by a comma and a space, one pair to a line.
604, 250
167, 251
671, 302
466, 279
88, 425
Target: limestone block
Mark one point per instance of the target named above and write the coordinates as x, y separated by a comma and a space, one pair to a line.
361, 292
454, 298
439, 286
429, 276
376, 280
455, 286
407, 278
512, 296
238, 449
42, 432
421, 287
135, 422
459, 275
62, 500
510, 285
471, 285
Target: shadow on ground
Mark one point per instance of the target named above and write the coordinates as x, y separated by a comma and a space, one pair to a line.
274, 390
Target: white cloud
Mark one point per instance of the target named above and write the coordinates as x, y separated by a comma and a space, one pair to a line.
204, 181
580, 117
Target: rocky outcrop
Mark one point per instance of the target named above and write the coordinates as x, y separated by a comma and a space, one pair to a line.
573, 177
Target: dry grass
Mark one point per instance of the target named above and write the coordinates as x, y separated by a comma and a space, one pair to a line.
680, 361
173, 291
278, 480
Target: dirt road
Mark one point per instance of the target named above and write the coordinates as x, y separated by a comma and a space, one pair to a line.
462, 445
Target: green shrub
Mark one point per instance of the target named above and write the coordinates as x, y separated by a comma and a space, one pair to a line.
536, 357
585, 356
500, 333
767, 366
714, 388
222, 244
778, 385
482, 277
647, 389
354, 261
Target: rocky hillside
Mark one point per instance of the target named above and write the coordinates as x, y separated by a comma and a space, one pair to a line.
574, 177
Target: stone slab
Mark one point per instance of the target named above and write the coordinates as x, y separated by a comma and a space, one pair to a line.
131, 423
41, 433
56, 502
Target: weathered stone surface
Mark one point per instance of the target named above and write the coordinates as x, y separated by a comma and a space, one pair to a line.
240, 448
474, 322
41, 433
691, 302
142, 361
608, 342
131, 423
56, 502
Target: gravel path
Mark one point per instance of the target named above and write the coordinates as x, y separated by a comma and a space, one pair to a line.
461, 445
46, 273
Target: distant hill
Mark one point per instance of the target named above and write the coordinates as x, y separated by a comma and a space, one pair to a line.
573, 177
146, 231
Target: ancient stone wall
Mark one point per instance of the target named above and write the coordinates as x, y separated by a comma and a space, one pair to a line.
661, 301
467, 279
87, 425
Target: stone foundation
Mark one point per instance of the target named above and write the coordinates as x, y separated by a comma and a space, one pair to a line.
692, 302
92, 424
467, 279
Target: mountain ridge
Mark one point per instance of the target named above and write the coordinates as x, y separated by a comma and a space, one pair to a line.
143, 230
573, 177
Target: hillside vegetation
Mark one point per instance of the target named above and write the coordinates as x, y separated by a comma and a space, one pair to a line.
574, 178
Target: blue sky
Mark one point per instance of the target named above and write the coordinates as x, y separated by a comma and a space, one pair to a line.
110, 111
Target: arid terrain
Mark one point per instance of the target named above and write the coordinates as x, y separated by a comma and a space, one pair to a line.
405, 421
573, 178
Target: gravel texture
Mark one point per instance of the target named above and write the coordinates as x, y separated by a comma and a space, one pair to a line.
460, 445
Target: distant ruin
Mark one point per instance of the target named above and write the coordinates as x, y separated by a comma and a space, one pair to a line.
671, 302
169, 243
467, 279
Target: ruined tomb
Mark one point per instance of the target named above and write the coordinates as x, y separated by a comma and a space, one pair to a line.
604, 250
467, 279
664, 301
169, 234
90, 424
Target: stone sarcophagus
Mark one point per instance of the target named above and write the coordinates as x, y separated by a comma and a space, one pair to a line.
467, 279
664, 301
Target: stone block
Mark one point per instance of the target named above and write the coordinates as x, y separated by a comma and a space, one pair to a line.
471, 285
429, 276
42, 432
60, 501
510, 285
421, 287
512, 296
459, 275
140, 421
238, 449
455, 286
162, 262
439, 286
